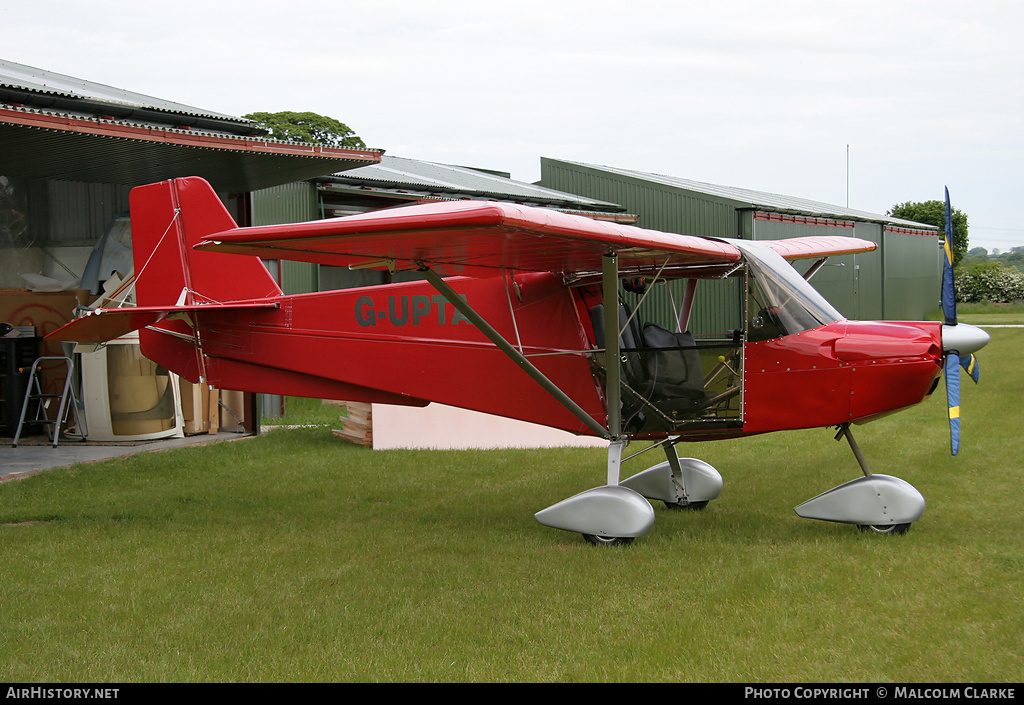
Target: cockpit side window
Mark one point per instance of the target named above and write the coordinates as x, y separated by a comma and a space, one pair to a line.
763, 320
780, 302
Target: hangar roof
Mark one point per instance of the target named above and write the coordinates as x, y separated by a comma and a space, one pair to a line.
52, 88
54, 126
417, 179
742, 198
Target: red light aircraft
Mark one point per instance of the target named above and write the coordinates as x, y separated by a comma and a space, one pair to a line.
513, 319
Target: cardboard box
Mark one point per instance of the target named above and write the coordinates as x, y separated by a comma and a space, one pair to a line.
232, 411
199, 407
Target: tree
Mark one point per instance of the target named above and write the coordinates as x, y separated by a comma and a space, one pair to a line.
934, 213
307, 127
1014, 258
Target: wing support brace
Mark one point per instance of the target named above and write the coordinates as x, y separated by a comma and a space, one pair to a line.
517, 357
814, 268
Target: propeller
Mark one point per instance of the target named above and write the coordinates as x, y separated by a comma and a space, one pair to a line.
959, 340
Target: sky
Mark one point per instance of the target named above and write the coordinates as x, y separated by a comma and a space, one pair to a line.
866, 104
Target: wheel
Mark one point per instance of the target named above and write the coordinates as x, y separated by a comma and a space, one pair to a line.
608, 540
692, 506
894, 529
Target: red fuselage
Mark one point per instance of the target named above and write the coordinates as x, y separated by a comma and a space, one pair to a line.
842, 372
403, 343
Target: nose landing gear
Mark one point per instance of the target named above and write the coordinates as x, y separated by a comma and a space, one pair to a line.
876, 503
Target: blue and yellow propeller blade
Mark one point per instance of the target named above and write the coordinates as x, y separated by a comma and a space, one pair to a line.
953, 359
953, 400
971, 366
948, 289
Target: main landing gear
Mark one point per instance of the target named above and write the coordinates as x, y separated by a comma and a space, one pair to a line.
876, 503
617, 513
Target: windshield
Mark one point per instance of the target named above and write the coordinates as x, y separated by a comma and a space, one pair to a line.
783, 302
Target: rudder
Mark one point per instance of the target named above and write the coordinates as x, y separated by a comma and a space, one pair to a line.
168, 219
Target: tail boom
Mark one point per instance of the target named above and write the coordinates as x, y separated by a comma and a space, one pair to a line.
221, 319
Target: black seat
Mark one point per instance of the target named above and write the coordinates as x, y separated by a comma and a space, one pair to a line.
662, 367
674, 369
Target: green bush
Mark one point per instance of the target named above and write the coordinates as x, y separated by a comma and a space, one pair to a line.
989, 281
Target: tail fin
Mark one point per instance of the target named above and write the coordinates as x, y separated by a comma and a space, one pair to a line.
168, 219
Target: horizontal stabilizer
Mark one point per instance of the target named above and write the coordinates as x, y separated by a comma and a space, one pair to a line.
101, 325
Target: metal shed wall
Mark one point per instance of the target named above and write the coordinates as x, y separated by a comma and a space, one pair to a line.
78, 213
871, 279
716, 307
898, 281
852, 283
911, 260
289, 203
659, 206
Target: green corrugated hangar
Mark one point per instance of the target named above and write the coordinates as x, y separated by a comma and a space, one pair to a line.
898, 281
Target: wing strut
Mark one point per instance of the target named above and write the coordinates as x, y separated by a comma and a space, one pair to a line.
612, 364
609, 514
610, 285
517, 357
813, 269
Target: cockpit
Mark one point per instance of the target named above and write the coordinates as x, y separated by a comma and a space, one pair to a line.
681, 337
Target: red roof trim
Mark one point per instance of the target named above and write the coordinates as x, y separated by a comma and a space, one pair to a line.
802, 219
148, 133
911, 231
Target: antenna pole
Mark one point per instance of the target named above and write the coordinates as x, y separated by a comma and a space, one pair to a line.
847, 175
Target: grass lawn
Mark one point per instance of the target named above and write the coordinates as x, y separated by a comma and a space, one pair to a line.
306, 412
988, 314
298, 557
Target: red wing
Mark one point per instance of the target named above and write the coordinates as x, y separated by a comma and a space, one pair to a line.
820, 246
459, 237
